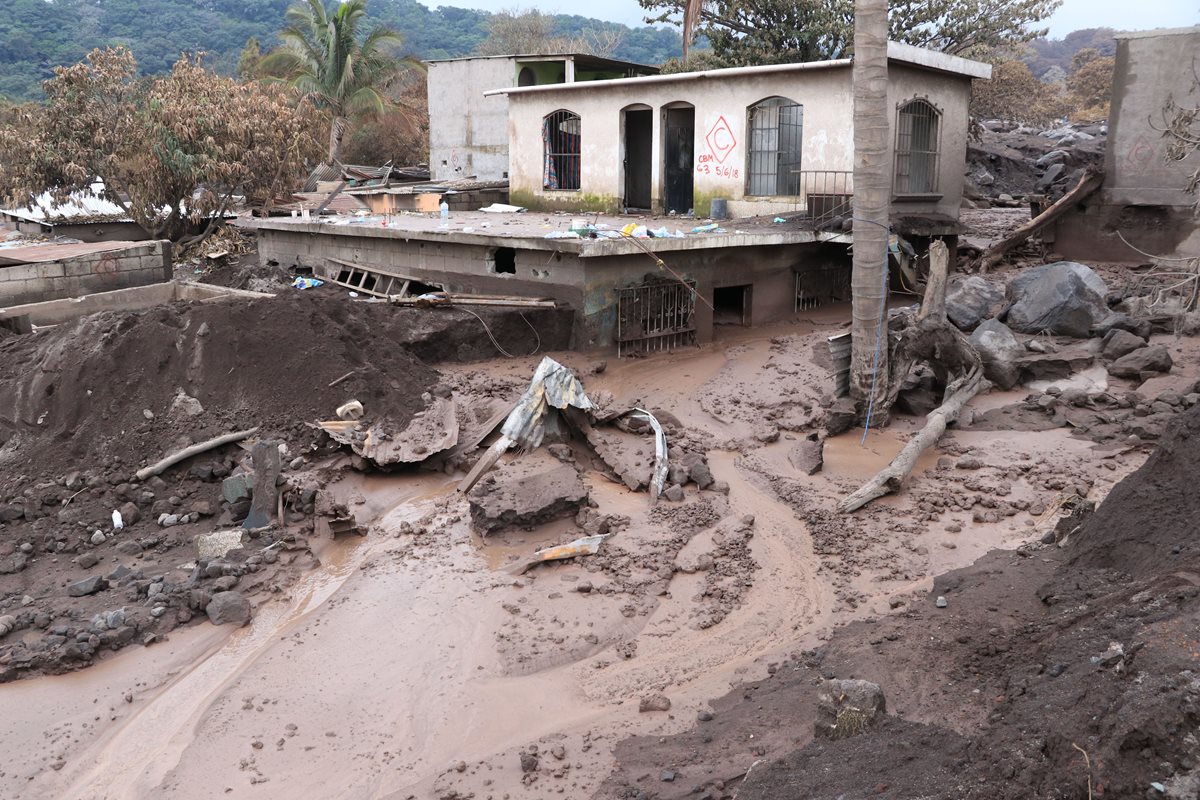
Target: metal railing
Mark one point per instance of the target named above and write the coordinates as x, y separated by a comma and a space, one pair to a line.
656, 316
825, 194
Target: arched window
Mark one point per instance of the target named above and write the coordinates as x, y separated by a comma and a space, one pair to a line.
917, 130
526, 77
776, 128
561, 148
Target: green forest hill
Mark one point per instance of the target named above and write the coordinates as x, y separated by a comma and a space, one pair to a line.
37, 35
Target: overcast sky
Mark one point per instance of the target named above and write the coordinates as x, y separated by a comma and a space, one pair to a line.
1071, 16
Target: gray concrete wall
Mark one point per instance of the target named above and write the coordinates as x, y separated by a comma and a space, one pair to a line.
139, 298
468, 133
1143, 194
721, 105
86, 274
585, 283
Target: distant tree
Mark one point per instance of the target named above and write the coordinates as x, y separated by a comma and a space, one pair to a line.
248, 61
744, 32
1015, 94
401, 134
336, 63
173, 151
1089, 86
532, 32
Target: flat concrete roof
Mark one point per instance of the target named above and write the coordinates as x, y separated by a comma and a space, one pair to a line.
1154, 33
898, 52
527, 231
45, 253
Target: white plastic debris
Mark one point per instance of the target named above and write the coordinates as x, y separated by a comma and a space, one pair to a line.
118, 523
350, 410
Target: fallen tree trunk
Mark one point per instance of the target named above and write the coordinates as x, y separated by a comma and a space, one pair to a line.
1089, 183
927, 338
891, 478
188, 452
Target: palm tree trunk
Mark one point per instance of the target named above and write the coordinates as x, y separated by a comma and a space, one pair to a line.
337, 130
872, 192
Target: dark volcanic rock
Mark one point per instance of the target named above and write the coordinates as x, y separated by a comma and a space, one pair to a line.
999, 351
1142, 363
228, 608
971, 300
1064, 298
86, 586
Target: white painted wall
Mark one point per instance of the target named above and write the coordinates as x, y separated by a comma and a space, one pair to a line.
721, 103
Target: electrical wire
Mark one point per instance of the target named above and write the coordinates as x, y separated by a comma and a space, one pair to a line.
878, 333
488, 331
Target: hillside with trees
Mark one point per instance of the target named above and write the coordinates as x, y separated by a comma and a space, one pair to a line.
36, 36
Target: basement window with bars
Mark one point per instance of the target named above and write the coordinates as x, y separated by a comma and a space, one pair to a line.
561, 150
917, 130
773, 158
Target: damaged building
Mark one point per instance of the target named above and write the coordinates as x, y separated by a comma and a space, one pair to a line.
770, 147
1143, 202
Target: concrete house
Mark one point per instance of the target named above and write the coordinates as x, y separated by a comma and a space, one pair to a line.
1144, 195
763, 140
468, 132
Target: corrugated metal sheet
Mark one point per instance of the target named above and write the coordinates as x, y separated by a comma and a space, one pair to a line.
839, 354
80, 207
552, 386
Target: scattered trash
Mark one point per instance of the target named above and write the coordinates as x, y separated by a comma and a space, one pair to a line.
712, 227
306, 283
118, 523
350, 410
501, 208
563, 235
941, 602
779, 219
587, 546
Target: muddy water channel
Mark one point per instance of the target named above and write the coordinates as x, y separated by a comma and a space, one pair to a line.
410, 664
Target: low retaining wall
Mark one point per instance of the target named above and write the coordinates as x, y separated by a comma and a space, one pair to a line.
53, 312
85, 273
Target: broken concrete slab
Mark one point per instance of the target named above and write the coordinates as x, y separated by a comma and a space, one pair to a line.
218, 543
237, 487
523, 499
429, 433
1054, 366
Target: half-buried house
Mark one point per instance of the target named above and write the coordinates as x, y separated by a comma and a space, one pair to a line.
656, 205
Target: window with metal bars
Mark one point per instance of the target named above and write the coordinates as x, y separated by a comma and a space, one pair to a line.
773, 157
561, 150
917, 129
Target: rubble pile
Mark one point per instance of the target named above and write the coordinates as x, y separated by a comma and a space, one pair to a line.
1010, 163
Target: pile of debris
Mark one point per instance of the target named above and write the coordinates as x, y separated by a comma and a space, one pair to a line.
1010, 163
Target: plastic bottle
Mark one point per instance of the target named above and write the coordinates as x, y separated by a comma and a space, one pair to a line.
445, 210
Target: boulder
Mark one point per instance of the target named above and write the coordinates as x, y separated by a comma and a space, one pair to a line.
86, 586
1142, 363
841, 417
1064, 299
999, 351
971, 300
228, 608
130, 514
848, 707
12, 564
1117, 343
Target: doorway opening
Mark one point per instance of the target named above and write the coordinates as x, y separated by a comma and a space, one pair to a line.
678, 155
639, 128
731, 305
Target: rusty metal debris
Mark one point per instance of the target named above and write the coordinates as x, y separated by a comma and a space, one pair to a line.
587, 546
